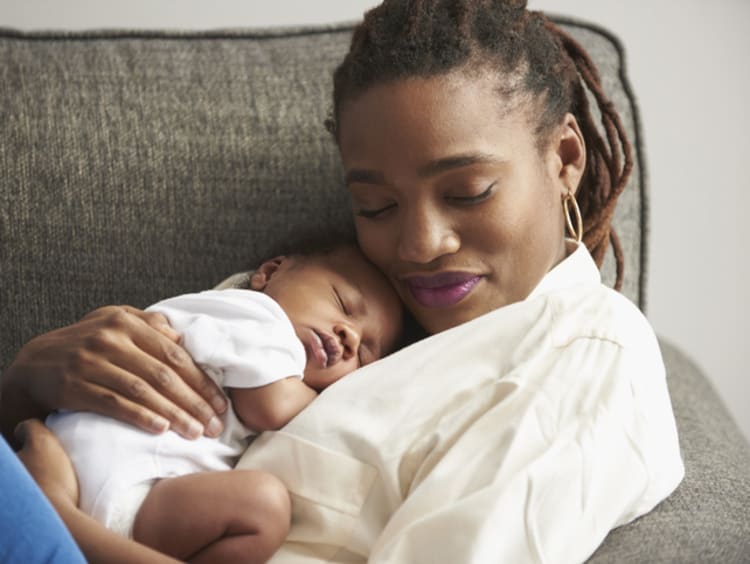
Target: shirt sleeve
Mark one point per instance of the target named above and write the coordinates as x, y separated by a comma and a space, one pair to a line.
241, 338
592, 448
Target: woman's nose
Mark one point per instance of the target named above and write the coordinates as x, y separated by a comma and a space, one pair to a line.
350, 338
426, 235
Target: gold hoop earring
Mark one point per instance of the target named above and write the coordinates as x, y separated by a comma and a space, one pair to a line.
576, 233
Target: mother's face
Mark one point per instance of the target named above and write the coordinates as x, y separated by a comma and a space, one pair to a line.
453, 199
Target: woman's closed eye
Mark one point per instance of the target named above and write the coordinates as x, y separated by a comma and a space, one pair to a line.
474, 199
372, 213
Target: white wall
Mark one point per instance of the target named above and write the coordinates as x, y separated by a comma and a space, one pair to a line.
687, 60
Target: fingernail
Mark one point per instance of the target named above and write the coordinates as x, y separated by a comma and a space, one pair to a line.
159, 424
219, 403
170, 332
214, 427
194, 429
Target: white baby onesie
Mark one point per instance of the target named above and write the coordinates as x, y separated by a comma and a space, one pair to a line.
241, 339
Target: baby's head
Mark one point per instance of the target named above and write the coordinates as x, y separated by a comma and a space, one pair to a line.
342, 308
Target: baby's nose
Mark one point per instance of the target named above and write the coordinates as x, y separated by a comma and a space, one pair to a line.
349, 338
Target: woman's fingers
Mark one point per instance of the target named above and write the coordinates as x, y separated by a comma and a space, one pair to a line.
47, 462
119, 394
209, 400
154, 373
155, 320
117, 361
174, 356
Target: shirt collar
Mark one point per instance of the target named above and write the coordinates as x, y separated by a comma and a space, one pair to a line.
576, 268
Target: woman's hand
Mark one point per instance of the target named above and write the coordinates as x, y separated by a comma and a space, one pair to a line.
118, 361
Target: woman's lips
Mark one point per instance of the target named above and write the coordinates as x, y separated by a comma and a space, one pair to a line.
441, 290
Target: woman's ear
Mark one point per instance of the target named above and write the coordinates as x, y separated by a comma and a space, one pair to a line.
569, 150
259, 279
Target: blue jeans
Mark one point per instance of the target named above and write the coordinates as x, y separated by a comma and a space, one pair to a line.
30, 530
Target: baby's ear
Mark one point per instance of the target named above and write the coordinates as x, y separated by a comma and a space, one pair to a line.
259, 279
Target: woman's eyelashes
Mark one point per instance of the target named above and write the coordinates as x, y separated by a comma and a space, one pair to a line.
374, 213
475, 199
379, 212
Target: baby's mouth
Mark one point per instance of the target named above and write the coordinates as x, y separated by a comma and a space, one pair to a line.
324, 348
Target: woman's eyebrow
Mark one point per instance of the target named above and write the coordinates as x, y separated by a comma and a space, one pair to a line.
457, 161
365, 176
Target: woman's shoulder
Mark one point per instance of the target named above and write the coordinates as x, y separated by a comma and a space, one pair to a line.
598, 312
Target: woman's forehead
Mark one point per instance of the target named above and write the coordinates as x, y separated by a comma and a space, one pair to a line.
426, 120
467, 86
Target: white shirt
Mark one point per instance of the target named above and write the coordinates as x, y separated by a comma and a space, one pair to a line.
524, 435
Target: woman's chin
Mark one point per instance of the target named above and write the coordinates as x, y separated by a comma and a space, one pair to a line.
435, 320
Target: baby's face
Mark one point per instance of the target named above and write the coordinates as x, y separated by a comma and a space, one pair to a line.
343, 310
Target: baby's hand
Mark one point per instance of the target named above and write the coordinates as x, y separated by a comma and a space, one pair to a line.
272, 406
47, 462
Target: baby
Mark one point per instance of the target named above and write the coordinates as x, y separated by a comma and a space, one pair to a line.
306, 321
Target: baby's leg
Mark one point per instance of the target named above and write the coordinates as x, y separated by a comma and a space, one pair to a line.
233, 516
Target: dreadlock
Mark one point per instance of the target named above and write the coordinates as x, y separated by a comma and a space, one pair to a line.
406, 38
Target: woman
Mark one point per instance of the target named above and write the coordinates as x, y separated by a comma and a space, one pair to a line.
536, 418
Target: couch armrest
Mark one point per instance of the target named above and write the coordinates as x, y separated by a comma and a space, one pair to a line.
706, 519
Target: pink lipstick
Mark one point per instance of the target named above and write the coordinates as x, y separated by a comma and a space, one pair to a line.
441, 290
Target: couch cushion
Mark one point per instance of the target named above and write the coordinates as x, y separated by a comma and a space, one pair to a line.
706, 519
139, 165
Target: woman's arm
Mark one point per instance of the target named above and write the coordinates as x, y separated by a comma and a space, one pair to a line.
118, 361
271, 406
47, 462
545, 474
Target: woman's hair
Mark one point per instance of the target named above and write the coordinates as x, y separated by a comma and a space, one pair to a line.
532, 58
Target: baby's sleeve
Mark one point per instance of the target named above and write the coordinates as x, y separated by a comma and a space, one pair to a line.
241, 338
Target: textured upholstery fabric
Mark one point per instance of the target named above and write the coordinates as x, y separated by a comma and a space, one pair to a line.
140, 165
708, 518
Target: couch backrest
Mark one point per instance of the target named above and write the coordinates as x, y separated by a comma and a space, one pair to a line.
139, 165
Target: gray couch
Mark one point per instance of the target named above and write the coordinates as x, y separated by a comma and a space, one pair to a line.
136, 165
